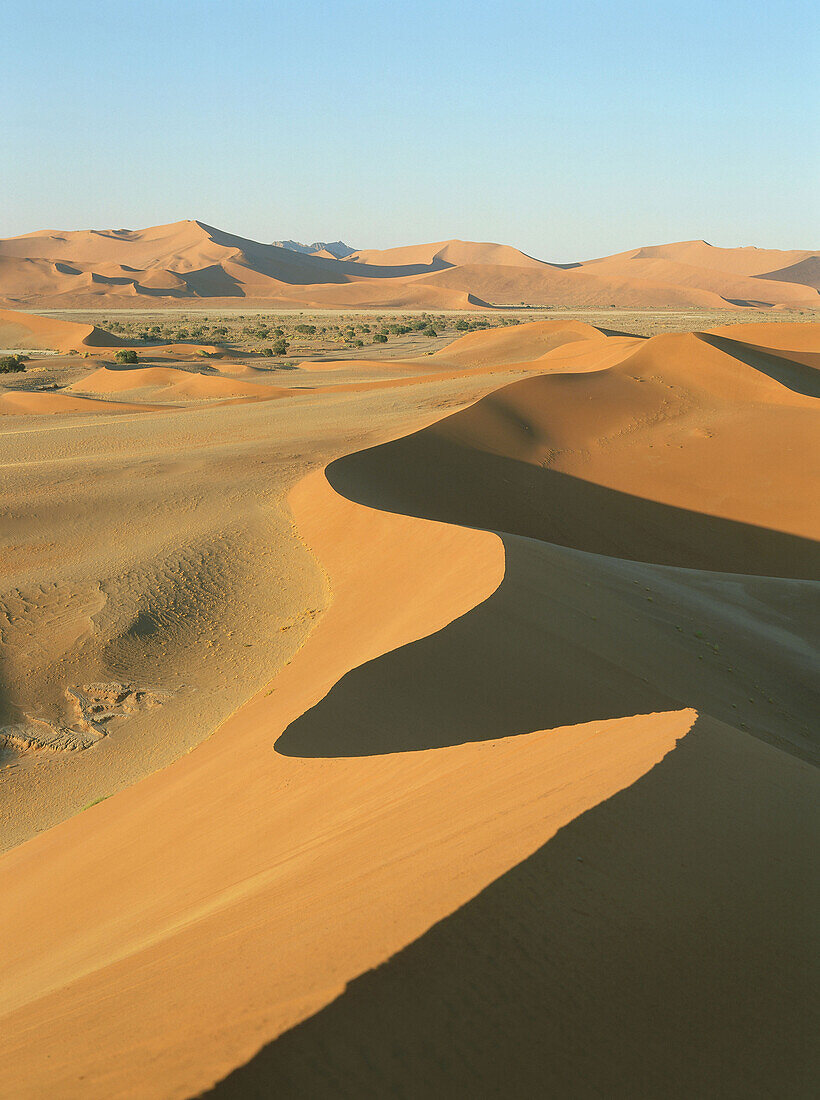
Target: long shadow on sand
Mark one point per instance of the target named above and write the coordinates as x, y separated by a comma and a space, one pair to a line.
432, 476
657, 946
796, 377
508, 666
534, 655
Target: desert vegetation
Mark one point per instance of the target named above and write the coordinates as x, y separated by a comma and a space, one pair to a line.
12, 364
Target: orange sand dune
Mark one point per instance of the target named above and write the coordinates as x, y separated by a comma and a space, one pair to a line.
202, 928
191, 260
737, 261
30, 332
728, 285
805, 271
186, 351
630, 457
386, 293
178, 384
575, 288
778, 337
515, 344
463, 844
172, 382
445, 254
26, 403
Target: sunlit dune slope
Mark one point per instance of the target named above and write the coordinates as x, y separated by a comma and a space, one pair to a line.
45, 404
170, 381
680, 452
514, 344
734, 275
749, 260
30, 332
168, 264
505, 823
445, 254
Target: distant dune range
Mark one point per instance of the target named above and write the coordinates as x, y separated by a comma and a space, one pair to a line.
189, 261
509, 788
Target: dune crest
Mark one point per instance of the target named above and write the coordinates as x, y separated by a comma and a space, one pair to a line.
29, 332
190, 260
557, 636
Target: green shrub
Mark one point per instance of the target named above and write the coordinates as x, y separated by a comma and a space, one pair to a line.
126, 355
380, 338
280, 347
11, 364
267, 352
307, 329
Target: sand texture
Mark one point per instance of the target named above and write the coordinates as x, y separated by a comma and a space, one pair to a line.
434, 727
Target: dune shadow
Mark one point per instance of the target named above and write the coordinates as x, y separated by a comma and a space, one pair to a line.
432, 476
507, 667
530, 656
658, 945
747, 303
796, 377
212, 282
620, 332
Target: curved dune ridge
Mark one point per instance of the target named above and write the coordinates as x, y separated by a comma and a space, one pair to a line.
171, 381
191, 260
515, 344
29, 332
464, 843
629, 460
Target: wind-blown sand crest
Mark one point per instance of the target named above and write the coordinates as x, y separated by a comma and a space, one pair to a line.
463, 842
190, 261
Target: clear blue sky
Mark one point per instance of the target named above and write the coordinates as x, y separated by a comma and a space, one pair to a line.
568, 129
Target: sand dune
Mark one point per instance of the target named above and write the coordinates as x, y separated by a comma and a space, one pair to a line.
730, 286
45, 404
524, 806
27, 331
445, 254
516, 344
171, 382
805, 272
185, 260
737, 261
627, 460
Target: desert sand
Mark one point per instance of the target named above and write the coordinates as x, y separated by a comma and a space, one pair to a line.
429, 727
190, 261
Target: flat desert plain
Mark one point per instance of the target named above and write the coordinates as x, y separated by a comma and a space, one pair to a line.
428, 717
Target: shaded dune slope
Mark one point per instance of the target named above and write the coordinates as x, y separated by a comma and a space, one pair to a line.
378, 869
567, 458
615, 961
576, 908
601, 963
191, 260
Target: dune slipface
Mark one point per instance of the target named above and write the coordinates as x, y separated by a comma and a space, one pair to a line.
27, 331
526, 805
190, 261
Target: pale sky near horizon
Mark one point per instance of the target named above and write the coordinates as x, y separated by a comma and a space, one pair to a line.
569, 130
